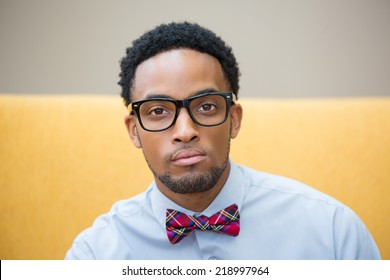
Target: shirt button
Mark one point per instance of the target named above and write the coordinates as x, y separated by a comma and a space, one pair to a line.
212, 258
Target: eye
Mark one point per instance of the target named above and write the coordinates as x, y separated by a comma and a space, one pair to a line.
157, 111
206, 107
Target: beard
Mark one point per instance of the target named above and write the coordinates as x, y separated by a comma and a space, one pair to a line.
193, 183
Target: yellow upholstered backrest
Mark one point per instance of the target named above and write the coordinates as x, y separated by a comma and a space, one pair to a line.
66, 159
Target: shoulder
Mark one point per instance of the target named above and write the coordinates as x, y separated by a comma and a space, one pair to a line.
107, 231
280, 186
289, 202
123, 209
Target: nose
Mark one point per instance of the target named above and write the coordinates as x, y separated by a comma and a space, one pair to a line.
184, 129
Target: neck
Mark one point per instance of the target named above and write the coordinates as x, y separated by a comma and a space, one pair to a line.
199, 201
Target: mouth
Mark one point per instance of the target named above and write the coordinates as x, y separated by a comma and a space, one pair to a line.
188, 157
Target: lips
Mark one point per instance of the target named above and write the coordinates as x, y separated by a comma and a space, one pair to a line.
188, 157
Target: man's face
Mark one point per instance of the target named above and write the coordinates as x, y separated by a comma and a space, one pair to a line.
187, 157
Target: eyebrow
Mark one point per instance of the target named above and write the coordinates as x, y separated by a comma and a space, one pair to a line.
161, 95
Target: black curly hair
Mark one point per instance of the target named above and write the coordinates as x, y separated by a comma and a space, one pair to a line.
171, 36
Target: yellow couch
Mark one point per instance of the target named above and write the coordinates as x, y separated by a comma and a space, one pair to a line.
66, 159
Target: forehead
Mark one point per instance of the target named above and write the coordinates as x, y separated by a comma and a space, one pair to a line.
178, 74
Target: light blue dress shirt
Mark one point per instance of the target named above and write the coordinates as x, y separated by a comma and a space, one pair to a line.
280, 219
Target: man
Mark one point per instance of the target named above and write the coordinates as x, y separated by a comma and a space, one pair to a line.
180, 83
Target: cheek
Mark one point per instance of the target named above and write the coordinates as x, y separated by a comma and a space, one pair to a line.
153, 148
150, 145
219, 140
157, 147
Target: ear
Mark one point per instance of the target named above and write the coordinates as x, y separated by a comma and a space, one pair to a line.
236, 117
131, 125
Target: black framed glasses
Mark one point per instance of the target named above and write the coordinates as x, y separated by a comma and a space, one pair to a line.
160, 113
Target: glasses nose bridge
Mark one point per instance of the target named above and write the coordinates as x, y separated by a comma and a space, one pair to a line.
183, 103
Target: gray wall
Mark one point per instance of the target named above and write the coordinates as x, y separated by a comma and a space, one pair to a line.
285, 48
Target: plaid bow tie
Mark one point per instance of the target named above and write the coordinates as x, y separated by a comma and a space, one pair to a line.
179, 225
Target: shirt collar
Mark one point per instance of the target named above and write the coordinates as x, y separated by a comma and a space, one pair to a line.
231, 193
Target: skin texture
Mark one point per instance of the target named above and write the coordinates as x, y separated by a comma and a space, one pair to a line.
188, 154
